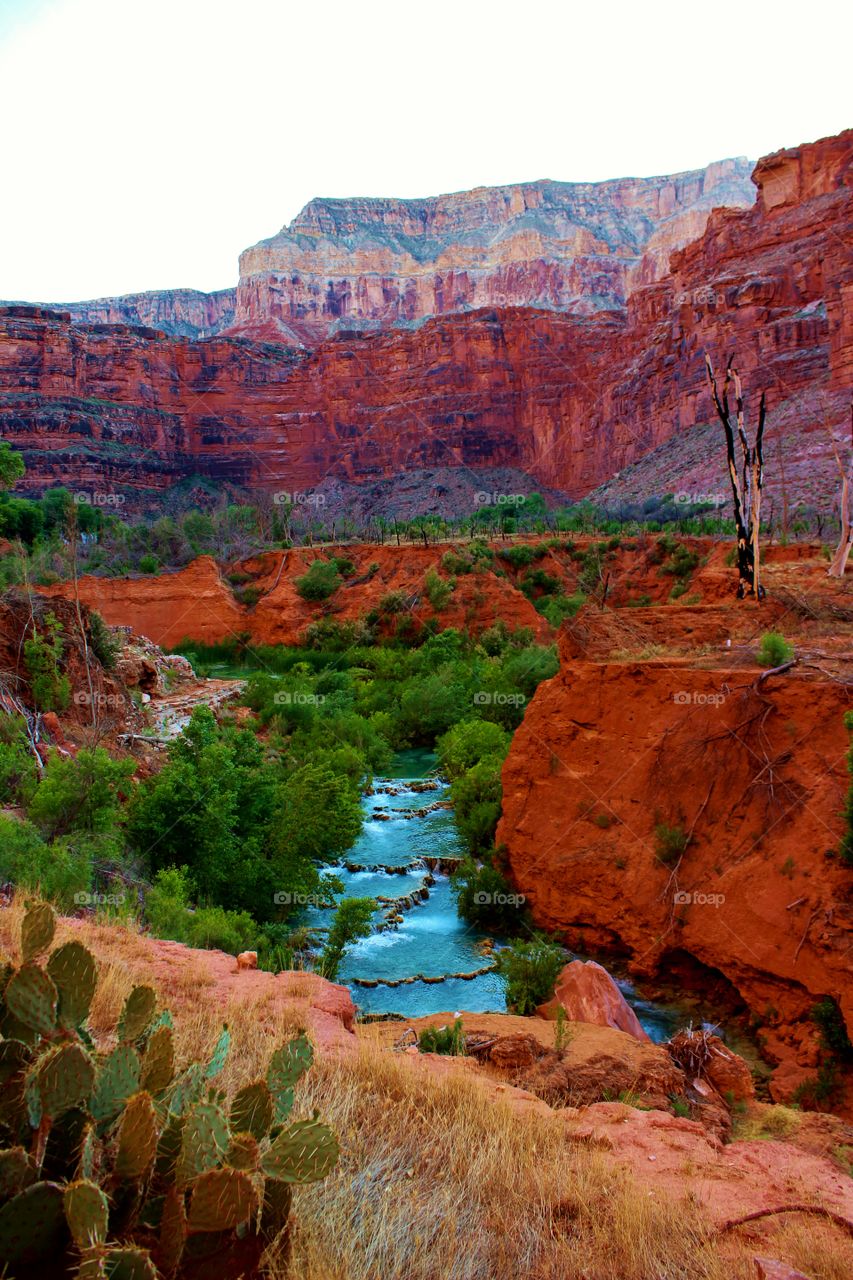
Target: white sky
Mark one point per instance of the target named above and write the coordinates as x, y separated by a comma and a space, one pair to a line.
144, 143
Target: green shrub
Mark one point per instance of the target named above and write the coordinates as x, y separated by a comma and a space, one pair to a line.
438, 590
105, 646
80, 793
469, 742
774, 650
529, 971
446, 1040
352, 920
169, 914
557, 608
394, 602
321, 581
18, 773
42, 654
833, 1031
670, 843
58, 871
149, 563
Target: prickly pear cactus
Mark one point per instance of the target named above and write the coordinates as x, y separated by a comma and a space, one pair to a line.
160, 1178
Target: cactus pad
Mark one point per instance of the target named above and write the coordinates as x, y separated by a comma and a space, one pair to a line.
37, 930
17, 1172
244, 1152
122, 1264
117, 1079
286, 1066
169, 1146
173, 1231
187, 1089
304, 1152
72, 968
137, 1138
90, 1153
33, 1231
87, 1213
203, 1143
221, 1199
252, 1110
220, 1053
137, 1013
32, 998
63, 1078
158, 1062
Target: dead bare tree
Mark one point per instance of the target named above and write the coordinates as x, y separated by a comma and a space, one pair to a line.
746, 487
839, 560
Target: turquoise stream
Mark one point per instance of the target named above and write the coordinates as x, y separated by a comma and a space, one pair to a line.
432, 940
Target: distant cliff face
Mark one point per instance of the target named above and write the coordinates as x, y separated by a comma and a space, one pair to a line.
185, 313
372, 263
569, 399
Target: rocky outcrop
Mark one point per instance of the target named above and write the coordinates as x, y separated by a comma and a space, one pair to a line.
587, 993
721, 794
569, 399
186, 313
361, 264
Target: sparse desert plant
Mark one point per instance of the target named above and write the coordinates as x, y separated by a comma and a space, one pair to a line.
774, 650
438, 590
670, 843
116, 1164
447, 1040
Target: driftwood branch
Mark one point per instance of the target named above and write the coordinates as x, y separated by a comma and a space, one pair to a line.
818, 1210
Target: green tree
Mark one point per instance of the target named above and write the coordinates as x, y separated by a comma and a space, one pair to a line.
82, 793
318, 814
11, 466
529, 971
469, 742
18, 774
352, 920
42, 655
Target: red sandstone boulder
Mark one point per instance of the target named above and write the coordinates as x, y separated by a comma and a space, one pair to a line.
600, 1063
587, 993
770, 1269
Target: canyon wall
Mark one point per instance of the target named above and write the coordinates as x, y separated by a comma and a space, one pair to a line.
570, 246
186, 313
572, 400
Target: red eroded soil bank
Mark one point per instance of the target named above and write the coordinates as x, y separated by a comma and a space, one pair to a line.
756, 909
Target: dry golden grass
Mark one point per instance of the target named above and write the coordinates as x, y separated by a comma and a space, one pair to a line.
437, 1179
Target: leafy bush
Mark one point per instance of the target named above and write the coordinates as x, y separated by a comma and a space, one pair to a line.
529, 971
446, 1040
149, 563
169, 914
80, 793
670, 843
438, 590
774, 650
57, 871
468, 742
833, 1031
18, 774
42, 654
559, 607
484, 896
352, 920
103, 643
321, 581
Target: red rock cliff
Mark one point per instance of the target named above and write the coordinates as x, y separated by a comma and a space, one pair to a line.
569, 399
